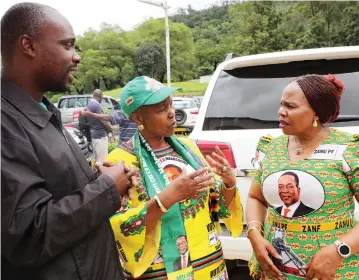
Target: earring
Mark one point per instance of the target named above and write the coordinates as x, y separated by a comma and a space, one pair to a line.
315, 124
140, 127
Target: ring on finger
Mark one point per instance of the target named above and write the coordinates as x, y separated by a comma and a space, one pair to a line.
224, 168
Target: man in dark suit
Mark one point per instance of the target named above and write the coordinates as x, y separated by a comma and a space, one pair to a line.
289, 193
184, 260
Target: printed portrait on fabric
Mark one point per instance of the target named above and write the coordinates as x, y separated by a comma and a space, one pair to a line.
293, 193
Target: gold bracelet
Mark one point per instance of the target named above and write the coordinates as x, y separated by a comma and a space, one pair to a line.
251, 222
252, 228
229, 189
160, 205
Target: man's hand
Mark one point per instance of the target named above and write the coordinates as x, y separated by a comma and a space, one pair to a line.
121, 175
85, 112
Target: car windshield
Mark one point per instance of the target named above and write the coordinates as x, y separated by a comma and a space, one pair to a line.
248, 98
184, 104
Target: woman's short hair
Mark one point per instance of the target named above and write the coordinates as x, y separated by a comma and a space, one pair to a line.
323, 94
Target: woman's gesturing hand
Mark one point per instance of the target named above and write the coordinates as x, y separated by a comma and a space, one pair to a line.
222, 167
186, 186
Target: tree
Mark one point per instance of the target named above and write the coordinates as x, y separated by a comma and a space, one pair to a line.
183, 59
348, 34
256, 27
150, 61
95, 70
107, 58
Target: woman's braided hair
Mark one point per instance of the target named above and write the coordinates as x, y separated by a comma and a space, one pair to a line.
323, 94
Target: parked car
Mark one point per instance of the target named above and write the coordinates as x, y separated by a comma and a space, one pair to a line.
186, 113
198, 100
71, 106
241, 104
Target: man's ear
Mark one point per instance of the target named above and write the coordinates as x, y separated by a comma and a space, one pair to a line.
26, 45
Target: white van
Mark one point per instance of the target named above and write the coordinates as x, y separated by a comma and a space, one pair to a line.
242, 101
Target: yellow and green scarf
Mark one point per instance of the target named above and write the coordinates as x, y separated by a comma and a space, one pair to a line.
144, 254
156, 180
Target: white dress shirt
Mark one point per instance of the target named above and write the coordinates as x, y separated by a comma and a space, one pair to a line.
292, 209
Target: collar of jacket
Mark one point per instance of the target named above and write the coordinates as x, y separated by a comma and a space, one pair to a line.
26, 104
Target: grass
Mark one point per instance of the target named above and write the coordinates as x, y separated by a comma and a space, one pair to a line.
188, 88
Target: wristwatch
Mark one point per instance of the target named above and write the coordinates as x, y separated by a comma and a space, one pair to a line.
343, 249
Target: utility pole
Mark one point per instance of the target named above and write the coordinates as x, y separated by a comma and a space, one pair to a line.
164, 6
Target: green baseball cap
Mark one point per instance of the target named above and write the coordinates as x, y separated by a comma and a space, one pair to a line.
143, 91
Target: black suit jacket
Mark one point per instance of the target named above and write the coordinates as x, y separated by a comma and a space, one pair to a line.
301, 210
177, 263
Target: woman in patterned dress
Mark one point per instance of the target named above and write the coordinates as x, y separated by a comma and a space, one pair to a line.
167, 228
300, 209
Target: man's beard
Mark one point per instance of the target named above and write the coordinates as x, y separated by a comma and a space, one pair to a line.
57, 86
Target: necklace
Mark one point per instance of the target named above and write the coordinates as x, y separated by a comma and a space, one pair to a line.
300, 149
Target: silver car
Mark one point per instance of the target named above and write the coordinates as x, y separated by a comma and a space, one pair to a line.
71, 106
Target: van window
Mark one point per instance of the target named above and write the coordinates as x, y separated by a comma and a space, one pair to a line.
115, 104
106, 105
72, 102
81, 101
248, 98
63, 103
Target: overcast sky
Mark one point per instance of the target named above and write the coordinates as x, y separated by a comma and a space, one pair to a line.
84, 14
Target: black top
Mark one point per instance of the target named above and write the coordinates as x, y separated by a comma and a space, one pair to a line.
54, 211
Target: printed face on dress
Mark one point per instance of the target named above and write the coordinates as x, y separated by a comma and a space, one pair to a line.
182, 245
172, 172
295, 114
288, 190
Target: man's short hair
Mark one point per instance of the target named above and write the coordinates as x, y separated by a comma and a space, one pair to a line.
97, 92
182, 235
20, 19
296, 178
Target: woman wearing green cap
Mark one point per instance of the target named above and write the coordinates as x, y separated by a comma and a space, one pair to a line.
167, 227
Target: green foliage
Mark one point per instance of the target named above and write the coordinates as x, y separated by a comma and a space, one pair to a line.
107, 58
190, 88
256, 25
150, 61
181, 45
187, 88
251, 27
55, 98
200, 40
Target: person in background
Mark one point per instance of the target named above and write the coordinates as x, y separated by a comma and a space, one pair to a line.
54, 210
99, 129
164, 213
85, 127
127, 128
319, 245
